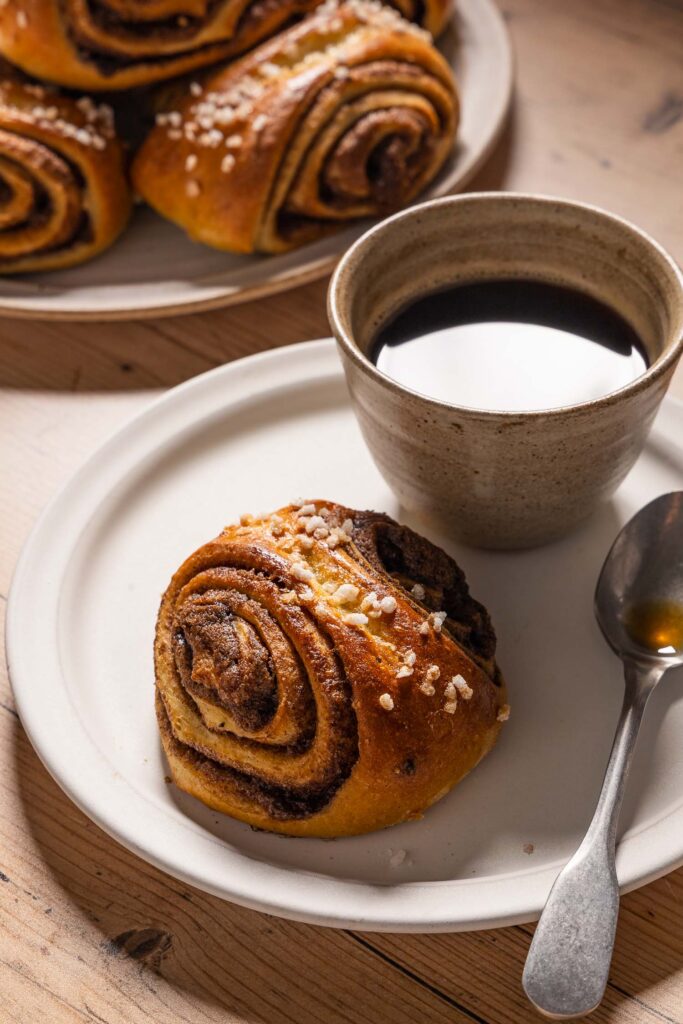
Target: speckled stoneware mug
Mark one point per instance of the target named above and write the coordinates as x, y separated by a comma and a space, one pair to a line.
505, 479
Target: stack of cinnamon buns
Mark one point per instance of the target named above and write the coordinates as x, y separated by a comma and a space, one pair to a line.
259, 125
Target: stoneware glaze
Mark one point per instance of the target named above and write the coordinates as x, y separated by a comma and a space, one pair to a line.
504, 479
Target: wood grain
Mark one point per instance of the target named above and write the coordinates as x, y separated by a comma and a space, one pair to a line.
88, 932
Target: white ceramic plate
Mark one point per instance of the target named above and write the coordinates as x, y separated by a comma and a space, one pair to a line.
249, 436
154, 269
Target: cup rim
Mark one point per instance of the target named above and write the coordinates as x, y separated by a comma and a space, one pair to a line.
669, 357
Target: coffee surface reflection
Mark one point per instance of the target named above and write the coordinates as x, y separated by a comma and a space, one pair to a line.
513, 345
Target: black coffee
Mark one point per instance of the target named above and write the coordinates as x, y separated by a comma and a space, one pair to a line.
509, 345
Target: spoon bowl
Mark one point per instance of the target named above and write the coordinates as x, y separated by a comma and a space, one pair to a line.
639, 595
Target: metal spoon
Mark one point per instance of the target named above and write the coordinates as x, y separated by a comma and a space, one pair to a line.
636, 603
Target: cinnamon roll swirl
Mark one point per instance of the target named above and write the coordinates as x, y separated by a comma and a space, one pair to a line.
63, 190
120, 44
323, 672
349, 114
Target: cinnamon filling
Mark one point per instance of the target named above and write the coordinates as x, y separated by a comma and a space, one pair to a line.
100, 33
379, 159
412, 560
394, 165
280, 802
237, 668
32, 220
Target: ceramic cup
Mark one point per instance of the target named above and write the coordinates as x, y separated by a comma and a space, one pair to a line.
505, 479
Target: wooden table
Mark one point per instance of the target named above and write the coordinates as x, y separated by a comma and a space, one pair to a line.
90, 933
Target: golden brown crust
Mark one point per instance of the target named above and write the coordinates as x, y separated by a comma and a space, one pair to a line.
64, 195
121, 44
306, 709
349, 114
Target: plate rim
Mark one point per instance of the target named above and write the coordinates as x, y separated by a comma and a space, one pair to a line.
296, 277
322, 900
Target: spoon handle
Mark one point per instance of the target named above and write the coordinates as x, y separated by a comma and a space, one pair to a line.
569, 959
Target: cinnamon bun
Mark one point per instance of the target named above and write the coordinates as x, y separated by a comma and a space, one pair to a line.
349, 114
323, 672
64, 196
